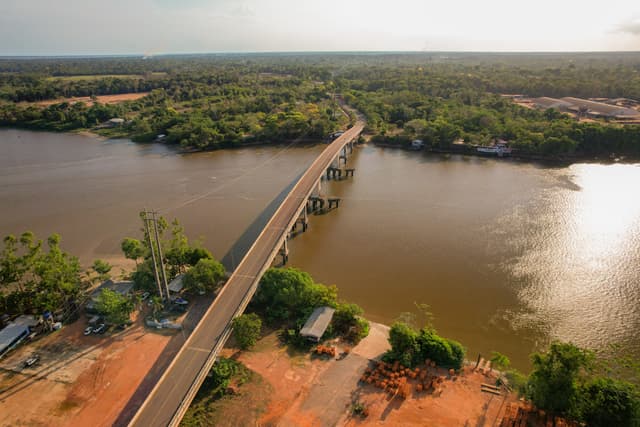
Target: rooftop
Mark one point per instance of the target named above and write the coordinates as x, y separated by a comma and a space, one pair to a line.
317, 323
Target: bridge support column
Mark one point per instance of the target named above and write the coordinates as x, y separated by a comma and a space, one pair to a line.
334, 201
303, 219
284, 252
349, 172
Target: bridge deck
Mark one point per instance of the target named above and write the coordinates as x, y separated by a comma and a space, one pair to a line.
177, 387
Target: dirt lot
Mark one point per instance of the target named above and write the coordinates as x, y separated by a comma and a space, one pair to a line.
461, 403
320, 391
80, 380
103, 99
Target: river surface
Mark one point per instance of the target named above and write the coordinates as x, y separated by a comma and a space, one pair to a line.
507, 255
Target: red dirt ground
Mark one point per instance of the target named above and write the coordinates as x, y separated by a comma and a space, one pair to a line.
103, 99
81, 380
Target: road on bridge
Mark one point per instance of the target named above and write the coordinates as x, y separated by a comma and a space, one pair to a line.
172, 395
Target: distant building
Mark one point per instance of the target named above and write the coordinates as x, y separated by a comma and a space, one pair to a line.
115, 122
123, 288
546, 102
586, 107
15, 332
600, 109
317, 323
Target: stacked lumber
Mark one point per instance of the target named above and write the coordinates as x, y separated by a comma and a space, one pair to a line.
323, 349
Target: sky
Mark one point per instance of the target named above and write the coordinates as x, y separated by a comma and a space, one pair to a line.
96, 27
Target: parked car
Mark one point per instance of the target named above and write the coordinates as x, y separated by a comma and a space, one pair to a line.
177, 308
31, 361
180, 301
100, 329
88, 330
145, 296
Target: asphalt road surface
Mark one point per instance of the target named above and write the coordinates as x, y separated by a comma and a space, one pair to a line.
177, 387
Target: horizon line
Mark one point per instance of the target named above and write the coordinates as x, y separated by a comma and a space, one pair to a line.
310, 52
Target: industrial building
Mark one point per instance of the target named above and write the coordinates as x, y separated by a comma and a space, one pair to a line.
584, 107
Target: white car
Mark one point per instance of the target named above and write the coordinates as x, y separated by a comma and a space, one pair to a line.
88, 330
145, 296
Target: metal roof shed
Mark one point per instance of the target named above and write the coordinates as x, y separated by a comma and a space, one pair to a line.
11, 336
317, 323
177, 283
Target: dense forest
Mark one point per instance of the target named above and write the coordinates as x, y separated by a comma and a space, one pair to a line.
211, 101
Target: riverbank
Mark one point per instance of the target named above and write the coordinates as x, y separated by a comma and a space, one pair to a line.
565, 160
322, 391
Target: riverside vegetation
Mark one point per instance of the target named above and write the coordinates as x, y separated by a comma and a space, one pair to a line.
213, 101
580, 384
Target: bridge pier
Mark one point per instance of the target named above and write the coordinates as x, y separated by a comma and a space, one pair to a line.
302, 219
349, 172
284, 252
342, 157
334, 201
333, 173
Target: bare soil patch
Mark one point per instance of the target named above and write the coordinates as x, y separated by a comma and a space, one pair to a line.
103, 99
320, 391
80, 380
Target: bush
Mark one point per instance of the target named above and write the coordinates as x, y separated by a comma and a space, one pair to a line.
348, 323
411, 347
246, 330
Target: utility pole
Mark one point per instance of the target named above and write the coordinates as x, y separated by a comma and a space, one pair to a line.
146, 219
164, 274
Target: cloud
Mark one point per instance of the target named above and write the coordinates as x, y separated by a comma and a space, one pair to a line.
631, 26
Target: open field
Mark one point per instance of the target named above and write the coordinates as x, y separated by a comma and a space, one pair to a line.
94, 77
103, 99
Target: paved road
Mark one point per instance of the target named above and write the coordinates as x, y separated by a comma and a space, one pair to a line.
175, 390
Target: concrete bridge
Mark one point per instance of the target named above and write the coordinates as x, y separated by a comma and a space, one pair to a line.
173, 393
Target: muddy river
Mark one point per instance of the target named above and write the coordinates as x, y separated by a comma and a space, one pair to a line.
507, 255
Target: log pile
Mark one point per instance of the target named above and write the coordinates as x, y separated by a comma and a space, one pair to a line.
323, 349
397, 379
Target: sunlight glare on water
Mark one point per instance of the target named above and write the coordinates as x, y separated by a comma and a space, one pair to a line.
582, 272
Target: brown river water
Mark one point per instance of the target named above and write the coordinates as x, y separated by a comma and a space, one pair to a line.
508, 255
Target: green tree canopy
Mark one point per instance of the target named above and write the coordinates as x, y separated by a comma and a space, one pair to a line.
133, 249
204, 276
553, 383
246, 330
115, 308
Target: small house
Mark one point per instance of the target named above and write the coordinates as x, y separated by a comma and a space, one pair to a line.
317, 323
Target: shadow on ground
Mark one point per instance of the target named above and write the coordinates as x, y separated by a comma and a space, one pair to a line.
195, 313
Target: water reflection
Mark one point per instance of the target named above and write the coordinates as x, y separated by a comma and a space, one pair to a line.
581, 263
